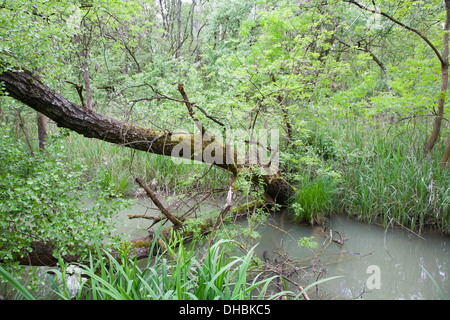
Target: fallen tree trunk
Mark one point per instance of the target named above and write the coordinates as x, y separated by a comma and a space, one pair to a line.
27, 88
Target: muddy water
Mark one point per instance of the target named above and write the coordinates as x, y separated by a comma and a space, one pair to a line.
395, 256
374, 263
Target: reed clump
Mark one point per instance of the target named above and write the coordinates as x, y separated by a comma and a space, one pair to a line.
372, 170
387, 179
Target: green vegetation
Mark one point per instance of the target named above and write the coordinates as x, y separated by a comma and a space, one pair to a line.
359, 99
384, 183
115, 169
45, 198
313, 199
179, 275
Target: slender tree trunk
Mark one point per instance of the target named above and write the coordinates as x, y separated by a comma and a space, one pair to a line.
87, 81
444, 84
446, 53
284, 111
197, 29
84, 41
178, 37
24, 131
42, 131
440, 111
446, 155
193, 22
1, 112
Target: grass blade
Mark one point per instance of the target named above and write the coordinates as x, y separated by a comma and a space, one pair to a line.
434, 281
16, 284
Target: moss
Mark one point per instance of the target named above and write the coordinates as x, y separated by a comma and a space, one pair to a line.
248, 206
141, 243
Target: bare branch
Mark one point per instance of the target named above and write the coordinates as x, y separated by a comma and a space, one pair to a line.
190, 109
151, 194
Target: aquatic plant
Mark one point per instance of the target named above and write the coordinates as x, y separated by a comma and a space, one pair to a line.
382, 183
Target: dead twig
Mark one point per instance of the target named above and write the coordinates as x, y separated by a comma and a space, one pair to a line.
151, 194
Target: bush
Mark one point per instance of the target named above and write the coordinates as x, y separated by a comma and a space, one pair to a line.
45, 198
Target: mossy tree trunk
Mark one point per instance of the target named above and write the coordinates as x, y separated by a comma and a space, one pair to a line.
28, 89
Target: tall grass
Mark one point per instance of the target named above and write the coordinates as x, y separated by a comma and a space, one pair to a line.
381, 174
386, 177
116, 167
314, 199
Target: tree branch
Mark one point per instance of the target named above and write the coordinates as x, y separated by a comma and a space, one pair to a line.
151, 194
79, 90
190, 109
374, 57
384, 14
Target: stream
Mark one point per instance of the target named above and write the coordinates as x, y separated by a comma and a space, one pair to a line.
373, 262
399, 258
395, 256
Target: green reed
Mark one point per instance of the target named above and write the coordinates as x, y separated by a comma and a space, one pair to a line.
176, 274
387, 179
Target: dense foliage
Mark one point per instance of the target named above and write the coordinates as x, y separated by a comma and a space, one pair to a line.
46, 198
354, 93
